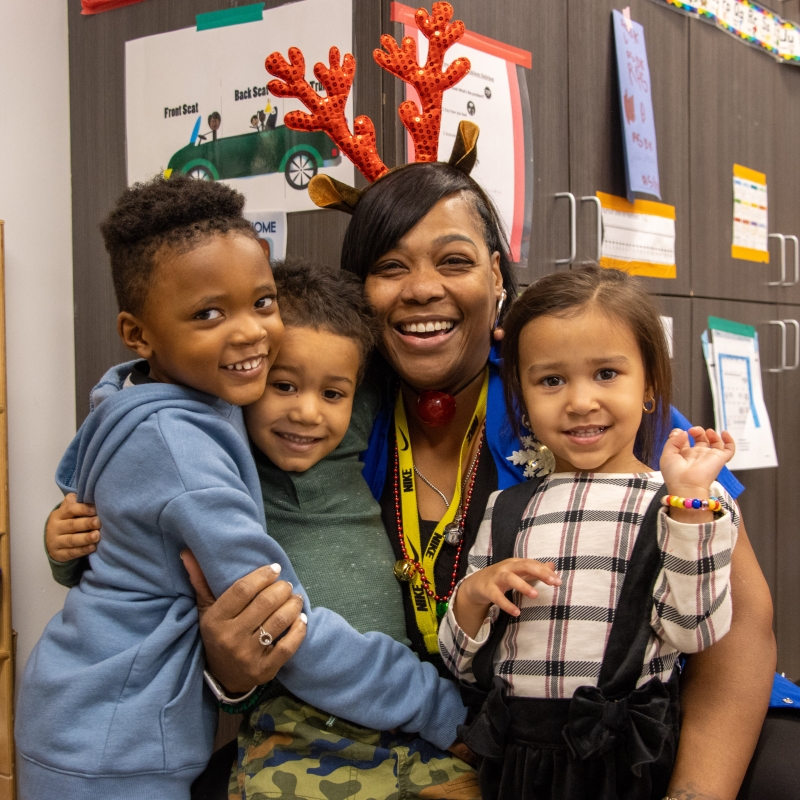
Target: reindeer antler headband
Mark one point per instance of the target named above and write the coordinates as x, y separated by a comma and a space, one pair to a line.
327, 113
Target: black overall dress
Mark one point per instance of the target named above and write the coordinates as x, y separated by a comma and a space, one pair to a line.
606, 742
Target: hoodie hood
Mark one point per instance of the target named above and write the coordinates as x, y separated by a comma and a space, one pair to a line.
115, 413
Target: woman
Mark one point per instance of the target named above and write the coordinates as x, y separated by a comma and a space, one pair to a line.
427, 243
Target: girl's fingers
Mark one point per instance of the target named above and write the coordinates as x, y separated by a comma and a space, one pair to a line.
501, 601
531, 570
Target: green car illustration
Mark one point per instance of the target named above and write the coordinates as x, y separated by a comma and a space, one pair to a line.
297, 154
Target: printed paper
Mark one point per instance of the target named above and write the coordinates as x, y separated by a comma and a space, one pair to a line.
750, 231
638, 237
197, 102
638, 124
734, 369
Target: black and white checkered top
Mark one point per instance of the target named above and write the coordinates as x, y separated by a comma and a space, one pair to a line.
587, 523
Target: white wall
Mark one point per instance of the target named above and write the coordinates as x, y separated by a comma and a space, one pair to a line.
35, 202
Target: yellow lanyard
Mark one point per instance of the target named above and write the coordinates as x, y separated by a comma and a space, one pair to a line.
424, 604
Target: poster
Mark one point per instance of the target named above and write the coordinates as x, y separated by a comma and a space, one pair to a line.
638, 237
636, 107
196, 101
750, 231
494, 95
270, 227
734, 370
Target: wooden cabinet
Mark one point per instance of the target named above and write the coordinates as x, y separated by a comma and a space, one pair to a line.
595, 125
731, 121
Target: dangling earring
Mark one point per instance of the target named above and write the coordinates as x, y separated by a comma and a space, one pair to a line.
537, 457
499, 309
652, 408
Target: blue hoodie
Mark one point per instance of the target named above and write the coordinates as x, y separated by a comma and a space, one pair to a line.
112, 702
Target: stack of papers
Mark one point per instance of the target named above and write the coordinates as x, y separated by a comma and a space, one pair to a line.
734, 370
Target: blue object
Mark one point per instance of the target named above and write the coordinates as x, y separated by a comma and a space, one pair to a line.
112, 703
785, 694
195, 130
636, 106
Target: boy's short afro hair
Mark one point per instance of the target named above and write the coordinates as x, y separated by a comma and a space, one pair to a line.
179, 212
314, 296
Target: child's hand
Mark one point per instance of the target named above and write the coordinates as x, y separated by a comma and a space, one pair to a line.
689, 471
488, 586
72, 530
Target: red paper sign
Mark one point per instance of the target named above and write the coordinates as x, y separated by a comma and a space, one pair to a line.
96, 6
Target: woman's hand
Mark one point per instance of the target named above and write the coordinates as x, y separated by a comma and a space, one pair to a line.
72, 530
689, 471
488, 587
230, 626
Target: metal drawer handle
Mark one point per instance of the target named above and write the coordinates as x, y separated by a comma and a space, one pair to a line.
796, 326
573, 233
599, 245
782, 239
796, 261
782, 325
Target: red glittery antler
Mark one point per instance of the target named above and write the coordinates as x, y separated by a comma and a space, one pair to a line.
429, 81
327, 113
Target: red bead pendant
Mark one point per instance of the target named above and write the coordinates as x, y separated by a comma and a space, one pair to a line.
436, 408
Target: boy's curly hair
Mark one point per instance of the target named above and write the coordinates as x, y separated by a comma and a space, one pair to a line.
319, 297
180, 213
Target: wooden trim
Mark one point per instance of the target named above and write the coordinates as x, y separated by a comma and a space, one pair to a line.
7, 783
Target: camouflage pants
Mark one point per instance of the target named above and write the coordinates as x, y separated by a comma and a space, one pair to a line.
292, 751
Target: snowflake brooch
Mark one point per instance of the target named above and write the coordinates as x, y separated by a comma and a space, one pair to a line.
537, 458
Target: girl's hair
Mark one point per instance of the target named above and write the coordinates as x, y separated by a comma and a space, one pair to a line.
391, 206
567, 294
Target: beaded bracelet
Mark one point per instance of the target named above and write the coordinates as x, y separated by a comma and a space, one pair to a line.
692, 503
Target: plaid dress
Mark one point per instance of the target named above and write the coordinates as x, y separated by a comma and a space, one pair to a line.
587, 524
577, 697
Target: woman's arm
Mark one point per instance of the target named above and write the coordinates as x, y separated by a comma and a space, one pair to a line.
725, 691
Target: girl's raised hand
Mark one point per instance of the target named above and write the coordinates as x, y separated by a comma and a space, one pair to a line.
72, 530
488, 587
689, 471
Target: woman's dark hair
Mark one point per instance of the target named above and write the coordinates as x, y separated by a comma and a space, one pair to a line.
180, 212
318, 297
615, 293
391, 206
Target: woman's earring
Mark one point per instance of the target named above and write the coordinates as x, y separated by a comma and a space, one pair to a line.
652, 402
499, 309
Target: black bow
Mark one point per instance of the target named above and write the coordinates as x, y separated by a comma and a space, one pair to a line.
635, 723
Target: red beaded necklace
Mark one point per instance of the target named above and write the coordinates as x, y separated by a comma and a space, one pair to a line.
416, 565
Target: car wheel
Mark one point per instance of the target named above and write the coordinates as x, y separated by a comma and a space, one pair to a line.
201, 173
300, 169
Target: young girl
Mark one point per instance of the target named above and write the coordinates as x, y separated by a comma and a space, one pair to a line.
575, 681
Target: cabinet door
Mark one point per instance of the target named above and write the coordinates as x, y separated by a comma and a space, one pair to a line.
759, 501
595, 124
787, 598
539, 26
784, 208
730, 122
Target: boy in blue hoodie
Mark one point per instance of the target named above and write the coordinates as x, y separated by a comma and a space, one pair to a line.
112, 701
